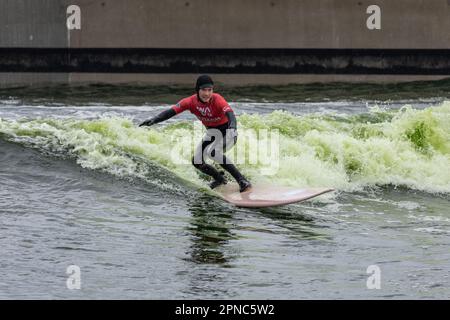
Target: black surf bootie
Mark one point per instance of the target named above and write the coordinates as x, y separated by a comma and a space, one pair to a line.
244, 185
219, 180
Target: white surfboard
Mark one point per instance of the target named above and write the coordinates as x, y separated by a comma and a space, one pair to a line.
267, 196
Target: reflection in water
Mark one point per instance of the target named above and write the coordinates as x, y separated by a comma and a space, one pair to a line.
295, 222
210, 227
215, 256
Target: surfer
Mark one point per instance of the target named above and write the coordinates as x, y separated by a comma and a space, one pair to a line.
221, 131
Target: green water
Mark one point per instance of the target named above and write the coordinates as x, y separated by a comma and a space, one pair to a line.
406, 147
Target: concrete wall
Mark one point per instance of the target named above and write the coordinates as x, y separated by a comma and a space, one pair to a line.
33, 23
327, 24
176, 25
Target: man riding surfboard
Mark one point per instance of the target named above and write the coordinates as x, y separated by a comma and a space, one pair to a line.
221, 134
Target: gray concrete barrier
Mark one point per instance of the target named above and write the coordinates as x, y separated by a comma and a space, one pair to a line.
245, 37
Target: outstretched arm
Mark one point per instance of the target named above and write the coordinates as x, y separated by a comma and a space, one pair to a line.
167, 114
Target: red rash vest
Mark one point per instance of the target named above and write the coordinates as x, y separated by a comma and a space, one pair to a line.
211, 113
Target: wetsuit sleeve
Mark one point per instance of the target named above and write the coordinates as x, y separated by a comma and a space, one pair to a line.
166, 114
232, 123
183, 105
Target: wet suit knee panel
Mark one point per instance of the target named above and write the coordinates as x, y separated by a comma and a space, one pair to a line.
199, 163
207, 169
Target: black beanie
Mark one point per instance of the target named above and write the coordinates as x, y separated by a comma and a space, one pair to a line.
203, 81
